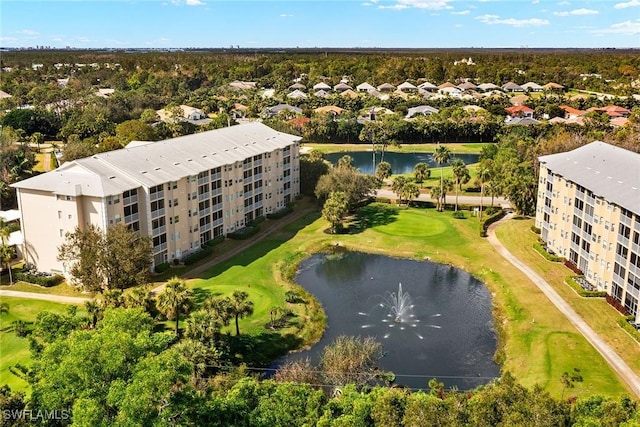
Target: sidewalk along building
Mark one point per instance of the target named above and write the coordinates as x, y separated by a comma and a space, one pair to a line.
182, 192
588, 211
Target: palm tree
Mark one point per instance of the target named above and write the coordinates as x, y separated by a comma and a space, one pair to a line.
219, 309
202, 326
482, 172
139, 297
6, 255
461, 175
436, 195
441, 155
240, 307
174, 300
421, 172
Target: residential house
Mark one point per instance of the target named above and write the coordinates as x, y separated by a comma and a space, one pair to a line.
424, 110
365, 87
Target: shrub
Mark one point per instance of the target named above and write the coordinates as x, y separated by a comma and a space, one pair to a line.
487, 222
626, 324
571, 281
257, 220
571, 266
492, 210
279, 214
161, 268
197, 256
211, 243
535, 229
38, 278
244, 233
20, 328
385, 200
616, 304
459, 215
542, 251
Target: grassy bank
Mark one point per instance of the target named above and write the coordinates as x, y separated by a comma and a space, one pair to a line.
15, 350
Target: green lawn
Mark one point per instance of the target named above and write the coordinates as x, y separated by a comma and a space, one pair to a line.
537, 343
15, 350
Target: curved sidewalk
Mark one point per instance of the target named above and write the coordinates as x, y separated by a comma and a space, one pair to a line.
612, 358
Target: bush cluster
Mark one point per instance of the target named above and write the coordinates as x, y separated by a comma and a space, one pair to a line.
542, 251
244, 233
385, 200
490, 220
211, 243
161, 268
583, 292
197, 256
279, 214
37, 278
459, 215
617, 305
571, 266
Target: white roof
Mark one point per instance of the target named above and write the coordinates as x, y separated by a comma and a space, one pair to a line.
610, 172
365, 86
406, 85
321, 85
116, 171
531, 86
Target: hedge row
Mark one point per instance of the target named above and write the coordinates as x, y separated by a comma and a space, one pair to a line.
571, 266
257, 220
161, 268
583, 292
627, 326
197, 256
244, 233
279, 214
553, 258
211, 243
39, 279
487, 222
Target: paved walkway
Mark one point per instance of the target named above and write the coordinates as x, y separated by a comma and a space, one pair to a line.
612, 358
45, 297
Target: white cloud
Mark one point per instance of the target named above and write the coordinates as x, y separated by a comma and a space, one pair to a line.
28, 32
495, 19
629, 28
582, 11
366, 4
462, 12
535, 2
627, 4
8, 39
419, 4
564, 3
187, 2
286, 15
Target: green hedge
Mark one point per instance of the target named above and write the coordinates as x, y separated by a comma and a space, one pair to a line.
583, 292
197, 256
39, 279
279, 214
211, 243
161, 268
624, 324
487, 222
535, 229
244, 233
459, 215
385, 200
257, 220
553, 258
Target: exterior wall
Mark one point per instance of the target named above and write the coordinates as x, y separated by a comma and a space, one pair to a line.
180, 215
46, 218
601, 238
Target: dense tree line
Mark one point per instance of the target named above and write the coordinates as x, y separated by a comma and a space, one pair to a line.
123, 372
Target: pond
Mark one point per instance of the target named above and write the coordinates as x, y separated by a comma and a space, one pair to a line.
400, 162
433, 320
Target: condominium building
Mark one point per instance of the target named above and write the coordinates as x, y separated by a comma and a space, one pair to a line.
182, 192
588, 211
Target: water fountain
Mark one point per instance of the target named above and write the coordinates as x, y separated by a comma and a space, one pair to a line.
400, 306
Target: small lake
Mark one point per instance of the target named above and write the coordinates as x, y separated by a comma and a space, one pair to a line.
400, 162
447, 333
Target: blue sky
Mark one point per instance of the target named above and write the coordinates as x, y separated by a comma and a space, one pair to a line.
307, 23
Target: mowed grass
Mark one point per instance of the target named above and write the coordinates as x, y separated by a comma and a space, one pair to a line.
63, 289
15, 350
